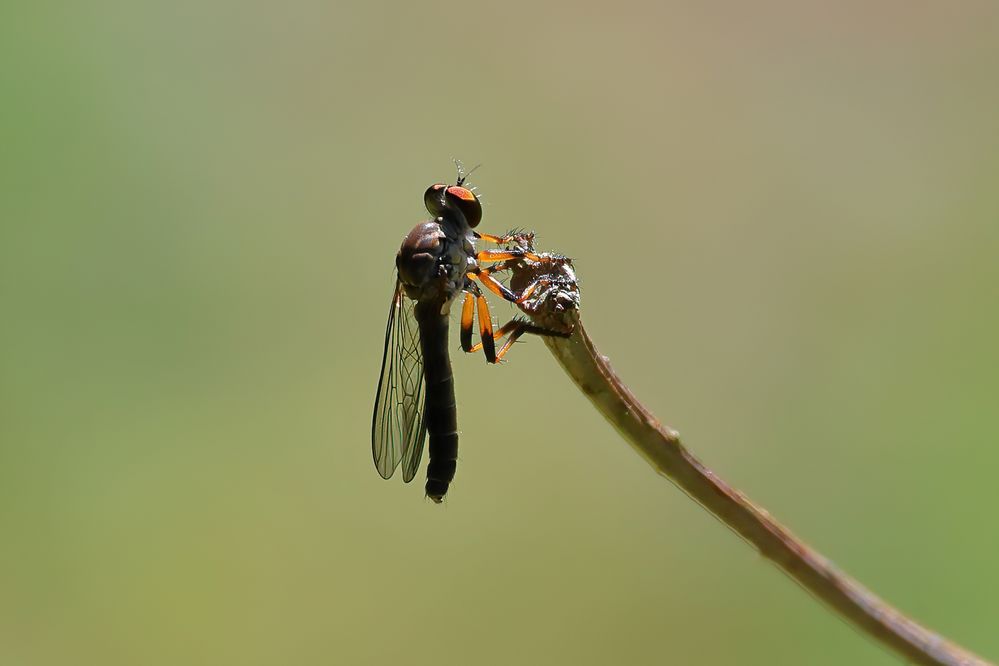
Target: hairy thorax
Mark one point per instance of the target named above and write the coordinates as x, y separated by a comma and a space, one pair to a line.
433, 261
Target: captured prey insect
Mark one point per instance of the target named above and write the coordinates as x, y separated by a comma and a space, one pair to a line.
437, 262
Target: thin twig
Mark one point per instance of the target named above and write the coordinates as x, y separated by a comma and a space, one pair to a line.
554, 306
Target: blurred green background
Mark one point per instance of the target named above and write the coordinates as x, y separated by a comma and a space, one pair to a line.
786, 223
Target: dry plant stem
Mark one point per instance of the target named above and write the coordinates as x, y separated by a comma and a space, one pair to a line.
661, 447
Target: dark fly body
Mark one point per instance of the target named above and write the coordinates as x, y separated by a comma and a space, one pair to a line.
436, 263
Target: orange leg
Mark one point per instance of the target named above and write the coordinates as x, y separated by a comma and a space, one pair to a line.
488, 342
498, 335
516, 327
500, 255
467, 313
492, 284
519, 238
517, 332
495, 268
475, 300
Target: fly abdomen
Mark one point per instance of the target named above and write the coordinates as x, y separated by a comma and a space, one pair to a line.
442, 427
440, 414
443, 461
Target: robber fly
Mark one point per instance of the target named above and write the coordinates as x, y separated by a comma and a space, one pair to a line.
437, 262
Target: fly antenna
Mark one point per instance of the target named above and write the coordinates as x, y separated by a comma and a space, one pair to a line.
471, 171
462, 174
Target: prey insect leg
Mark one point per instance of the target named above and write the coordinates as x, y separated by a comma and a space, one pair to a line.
531, 288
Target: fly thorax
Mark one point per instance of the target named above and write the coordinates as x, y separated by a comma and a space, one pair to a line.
456, 260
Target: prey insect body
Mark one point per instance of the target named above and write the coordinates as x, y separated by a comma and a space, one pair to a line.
436, 263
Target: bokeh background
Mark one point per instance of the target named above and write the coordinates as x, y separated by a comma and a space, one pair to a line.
786, 222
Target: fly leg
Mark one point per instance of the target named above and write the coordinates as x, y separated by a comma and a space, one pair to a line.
472, 294
523, 242
516, 327
522, 239
510, 253
484, 275
486, 339
467, 315
474, 300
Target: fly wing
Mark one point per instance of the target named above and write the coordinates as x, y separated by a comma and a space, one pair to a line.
397, 427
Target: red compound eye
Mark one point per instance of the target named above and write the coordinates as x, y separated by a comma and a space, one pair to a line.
465, 202
460, 192
441, 200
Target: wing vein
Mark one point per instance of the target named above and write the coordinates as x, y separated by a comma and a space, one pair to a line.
398, 430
